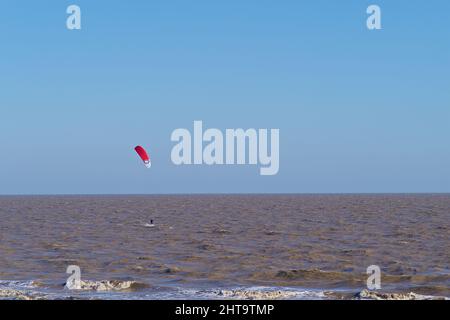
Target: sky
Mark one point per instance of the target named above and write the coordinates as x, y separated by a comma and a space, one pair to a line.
359, 111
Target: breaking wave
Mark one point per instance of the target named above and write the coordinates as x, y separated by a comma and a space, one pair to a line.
131, 290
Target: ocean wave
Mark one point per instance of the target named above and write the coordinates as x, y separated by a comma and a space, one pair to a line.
252, 293
373, 295
263, 293
13, 294
87, 290
17, 284
19, 290
104, 285
131, 290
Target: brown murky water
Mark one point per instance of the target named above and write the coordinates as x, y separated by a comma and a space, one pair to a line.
310, 243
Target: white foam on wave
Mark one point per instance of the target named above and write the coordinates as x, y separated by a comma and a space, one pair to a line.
104, 285
271, 293
373, 295
20, 290
250, 293
16, 284
29, 290
32, 290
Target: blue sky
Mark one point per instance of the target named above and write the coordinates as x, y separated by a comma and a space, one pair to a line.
358, 110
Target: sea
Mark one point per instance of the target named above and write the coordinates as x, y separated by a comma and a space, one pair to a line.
316, 246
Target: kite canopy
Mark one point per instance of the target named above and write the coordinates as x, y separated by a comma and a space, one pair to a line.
144, 156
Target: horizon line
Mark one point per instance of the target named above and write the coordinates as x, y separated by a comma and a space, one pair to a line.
221, 193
